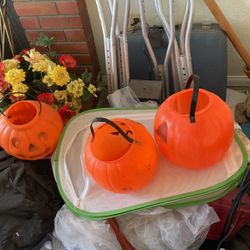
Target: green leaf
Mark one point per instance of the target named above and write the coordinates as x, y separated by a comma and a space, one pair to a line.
72, 75
37, 86
52, 55
44, 41
86, 77
86, 96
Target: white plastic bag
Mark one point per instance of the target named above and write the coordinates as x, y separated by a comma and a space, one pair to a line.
158, 228
165, 229
126, 98
81, 234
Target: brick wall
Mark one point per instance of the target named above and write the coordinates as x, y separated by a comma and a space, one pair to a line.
67, 21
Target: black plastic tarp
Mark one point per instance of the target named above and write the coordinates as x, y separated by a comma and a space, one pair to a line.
29, 202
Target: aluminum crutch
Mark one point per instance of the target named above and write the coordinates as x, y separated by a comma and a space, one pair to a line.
110, 45
113, 44
124, 45
180, 58
187, 39
175, 55
171, 38
146, 39
144, 89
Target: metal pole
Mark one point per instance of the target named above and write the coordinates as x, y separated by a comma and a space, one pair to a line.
187, 39
146, 39
125, 43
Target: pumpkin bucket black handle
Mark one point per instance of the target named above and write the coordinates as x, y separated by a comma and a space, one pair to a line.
112, 124
10, 93
195, 95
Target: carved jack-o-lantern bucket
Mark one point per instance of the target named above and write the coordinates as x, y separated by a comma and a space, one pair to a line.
194, 127
30, 130
120, 155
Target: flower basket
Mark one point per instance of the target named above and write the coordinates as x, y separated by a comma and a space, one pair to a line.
47, 78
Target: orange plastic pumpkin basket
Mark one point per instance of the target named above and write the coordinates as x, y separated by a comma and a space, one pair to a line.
120, 155
194, 127
30, 130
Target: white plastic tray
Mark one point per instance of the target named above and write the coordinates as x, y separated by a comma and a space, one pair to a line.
171, 186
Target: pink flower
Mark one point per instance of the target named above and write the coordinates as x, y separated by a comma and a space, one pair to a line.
67, 61
66, 113
46, 97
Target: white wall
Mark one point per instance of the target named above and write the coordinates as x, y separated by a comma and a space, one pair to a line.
236, 11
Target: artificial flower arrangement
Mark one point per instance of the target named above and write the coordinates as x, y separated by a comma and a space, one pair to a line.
32, 75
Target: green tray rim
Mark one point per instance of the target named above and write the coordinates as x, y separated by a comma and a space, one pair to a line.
170, 202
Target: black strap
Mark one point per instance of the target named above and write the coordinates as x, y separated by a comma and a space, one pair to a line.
234, 210
196, 79
112, 124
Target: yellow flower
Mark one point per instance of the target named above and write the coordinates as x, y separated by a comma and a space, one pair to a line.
43, 66
34, 56
75, 104
21, 87
15, 76
59, 75
75, 87
92, 89
54, 106
48, 80
60, 95
50, 65
10, 64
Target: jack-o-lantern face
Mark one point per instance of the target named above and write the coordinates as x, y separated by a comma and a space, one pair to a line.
30, 130
194, 128
120, 155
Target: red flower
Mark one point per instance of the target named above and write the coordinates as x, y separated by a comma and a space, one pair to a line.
19, 57
67, 61
24, 51
66, 113
1, 71
3, 86
46, 97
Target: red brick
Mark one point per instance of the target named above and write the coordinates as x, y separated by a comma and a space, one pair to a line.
75, 35
71, 48
32, 35
60, 22
83, 59
56, 34
94, 69
67, 7
91, 44
79, 70
84, 17
29, 22
35, 9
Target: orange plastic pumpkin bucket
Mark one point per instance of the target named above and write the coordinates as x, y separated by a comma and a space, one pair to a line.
194, 127
120, 155
30, 130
